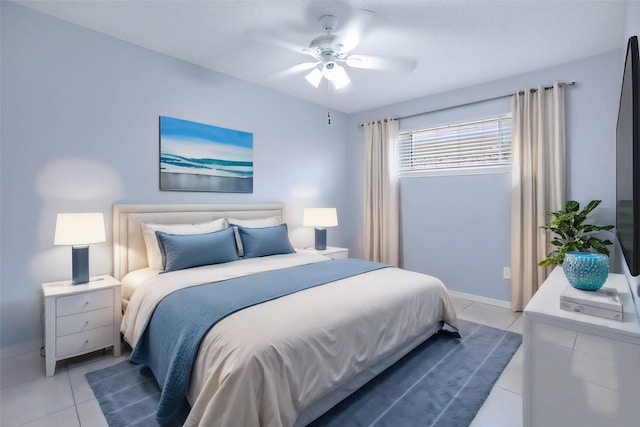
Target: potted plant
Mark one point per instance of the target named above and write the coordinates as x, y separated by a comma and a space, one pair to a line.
573, 234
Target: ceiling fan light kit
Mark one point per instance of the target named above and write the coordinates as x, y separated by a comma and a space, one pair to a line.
314, 77
337, 75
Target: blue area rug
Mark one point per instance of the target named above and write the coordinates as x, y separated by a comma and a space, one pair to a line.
441, 383
129, 395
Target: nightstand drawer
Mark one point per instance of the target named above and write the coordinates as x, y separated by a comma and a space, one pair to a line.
331, 251
81, 303
340, 255
82, 322
84, 341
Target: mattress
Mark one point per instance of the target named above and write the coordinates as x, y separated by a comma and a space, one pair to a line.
267, 364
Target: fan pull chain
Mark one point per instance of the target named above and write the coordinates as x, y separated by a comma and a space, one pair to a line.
328, 102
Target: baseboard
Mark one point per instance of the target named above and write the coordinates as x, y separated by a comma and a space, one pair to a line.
20, 348
478, 298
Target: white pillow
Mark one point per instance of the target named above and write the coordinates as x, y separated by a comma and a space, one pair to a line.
154, 257
250, 223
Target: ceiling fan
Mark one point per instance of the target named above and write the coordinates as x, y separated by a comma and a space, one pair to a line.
332, 52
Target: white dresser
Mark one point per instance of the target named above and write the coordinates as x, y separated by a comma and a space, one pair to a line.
81, 318
580, 370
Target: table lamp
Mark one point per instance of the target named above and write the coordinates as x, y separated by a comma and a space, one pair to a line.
320, 218
78, 230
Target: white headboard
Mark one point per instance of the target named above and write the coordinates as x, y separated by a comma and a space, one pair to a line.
129, 251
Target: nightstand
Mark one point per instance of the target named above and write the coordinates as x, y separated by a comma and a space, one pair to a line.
80, 319
331, 252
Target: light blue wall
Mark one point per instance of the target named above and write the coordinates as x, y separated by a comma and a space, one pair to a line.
457, 227
80, 133
632, 24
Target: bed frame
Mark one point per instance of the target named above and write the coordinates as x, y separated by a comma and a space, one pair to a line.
129, 254
129, 251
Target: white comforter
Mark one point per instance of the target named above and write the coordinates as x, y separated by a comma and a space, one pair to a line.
263, 365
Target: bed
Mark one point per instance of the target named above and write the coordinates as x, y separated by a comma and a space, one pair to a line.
288, 360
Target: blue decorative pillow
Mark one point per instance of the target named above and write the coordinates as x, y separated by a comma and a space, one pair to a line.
265, 241
180, 251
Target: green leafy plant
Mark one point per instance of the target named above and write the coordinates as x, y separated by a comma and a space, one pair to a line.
573, 234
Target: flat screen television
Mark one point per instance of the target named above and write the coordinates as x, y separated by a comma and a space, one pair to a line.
628, 161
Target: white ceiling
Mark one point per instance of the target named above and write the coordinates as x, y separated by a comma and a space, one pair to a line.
455, 43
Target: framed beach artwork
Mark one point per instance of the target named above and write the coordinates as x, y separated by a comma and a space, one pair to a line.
200, 157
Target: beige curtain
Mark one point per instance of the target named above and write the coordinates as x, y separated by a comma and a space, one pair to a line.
538, 184
381, 204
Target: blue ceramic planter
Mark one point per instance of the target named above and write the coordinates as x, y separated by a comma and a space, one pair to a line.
585, 270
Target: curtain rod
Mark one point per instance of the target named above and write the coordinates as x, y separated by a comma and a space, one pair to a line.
571, 83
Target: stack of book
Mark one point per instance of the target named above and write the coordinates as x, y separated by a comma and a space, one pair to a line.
602, 303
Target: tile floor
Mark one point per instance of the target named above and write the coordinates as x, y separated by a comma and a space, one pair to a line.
28, 398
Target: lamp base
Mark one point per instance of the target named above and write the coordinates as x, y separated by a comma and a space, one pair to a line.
79, 264
321, 239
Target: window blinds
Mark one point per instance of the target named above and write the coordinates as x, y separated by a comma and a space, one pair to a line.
474, 147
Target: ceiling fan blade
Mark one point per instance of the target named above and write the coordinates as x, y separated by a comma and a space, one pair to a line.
299, 68
271, 41
304, 66
310, 52
350, 34
349, 40
380, 63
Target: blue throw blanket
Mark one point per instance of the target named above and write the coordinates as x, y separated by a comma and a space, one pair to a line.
171, 340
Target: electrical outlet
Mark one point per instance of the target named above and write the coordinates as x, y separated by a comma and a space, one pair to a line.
506, 273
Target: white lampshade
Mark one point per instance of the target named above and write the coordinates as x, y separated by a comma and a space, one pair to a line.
320, 217
79, 229
314, 77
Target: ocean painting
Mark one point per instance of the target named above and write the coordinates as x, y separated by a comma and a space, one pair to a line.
200, 157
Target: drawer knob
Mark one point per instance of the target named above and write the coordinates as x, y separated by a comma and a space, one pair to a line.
86, 303
86, 341
86, 323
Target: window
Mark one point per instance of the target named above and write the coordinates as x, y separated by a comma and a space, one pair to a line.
482, 146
